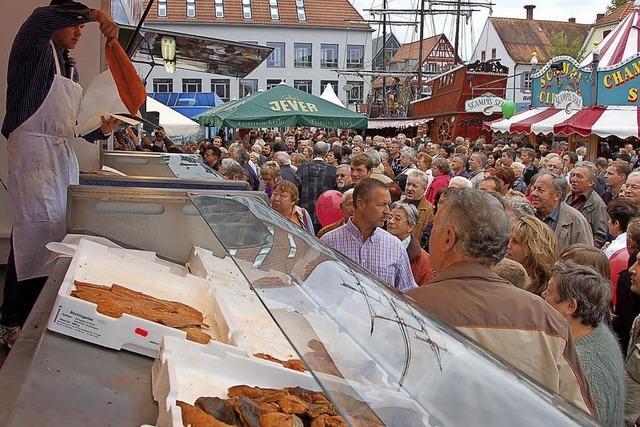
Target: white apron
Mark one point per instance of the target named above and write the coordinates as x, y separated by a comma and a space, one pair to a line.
42, 164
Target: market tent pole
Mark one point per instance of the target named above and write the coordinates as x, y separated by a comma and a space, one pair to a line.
592, 149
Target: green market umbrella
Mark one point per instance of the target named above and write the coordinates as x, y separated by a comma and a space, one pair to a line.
281, 106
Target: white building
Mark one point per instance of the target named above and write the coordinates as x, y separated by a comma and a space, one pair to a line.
603, 26
513, 41
310, 38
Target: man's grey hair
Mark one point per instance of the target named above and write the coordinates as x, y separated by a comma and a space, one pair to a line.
634, 174
228, 162
374, 155
591, 291
559, 182
581, 151
321, 148
343, 166
424, 180
481, 225
459, 140
346, 194
241, 156
411, 153
282, 157
519, 205
357, 138
413, 216
519, 166
482, 157
593, 172
460, 182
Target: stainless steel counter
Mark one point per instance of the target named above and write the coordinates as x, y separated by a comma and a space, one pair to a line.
53, 380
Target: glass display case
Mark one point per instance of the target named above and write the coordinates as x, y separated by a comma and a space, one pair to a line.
161, 165
409, 368
357, 336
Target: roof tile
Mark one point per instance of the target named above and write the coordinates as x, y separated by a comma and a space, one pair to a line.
319, 13
522, 37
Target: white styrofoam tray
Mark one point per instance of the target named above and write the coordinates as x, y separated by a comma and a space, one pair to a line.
251, 327
102, 265
185, 371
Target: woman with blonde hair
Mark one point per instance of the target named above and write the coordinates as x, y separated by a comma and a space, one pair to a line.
534, 245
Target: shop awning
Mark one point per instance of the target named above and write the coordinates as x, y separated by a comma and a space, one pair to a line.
535, 120
397, 123
282, 106
620, 44
623, 122
196, 53
174, 123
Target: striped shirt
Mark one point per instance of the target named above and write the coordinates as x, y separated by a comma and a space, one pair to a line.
31, 66
381, 254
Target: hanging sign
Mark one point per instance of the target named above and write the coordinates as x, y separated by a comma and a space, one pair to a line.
560, 74
568, 101
486, 104
619, 86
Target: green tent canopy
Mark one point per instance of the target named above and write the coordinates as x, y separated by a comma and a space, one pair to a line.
281, 106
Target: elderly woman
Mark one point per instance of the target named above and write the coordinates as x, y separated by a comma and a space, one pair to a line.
402, 219
440, 169
533, 244
519, 184
270, 176
284, 200
581, 295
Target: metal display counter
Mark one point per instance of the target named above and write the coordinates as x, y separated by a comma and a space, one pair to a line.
161, 182
53, 380
159, 165
406, 366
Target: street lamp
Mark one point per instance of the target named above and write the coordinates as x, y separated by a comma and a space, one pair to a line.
534, 60
168, 48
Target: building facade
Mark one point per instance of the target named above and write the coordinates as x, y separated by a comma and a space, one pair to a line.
603, 26
513, 41
309, 38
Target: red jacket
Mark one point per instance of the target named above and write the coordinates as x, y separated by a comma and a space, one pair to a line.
420, 263
439, 183
618, 262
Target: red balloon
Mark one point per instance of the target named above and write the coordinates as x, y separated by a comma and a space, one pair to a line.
328, 207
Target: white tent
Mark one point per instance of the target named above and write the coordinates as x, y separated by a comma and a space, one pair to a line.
330, 95
174, 123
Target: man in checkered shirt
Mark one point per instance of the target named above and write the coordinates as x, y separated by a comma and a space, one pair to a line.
362, 239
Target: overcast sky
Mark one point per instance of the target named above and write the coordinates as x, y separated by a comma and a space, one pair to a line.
561, 10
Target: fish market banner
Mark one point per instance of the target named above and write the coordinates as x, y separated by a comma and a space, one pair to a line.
486, 104
619, 86
560, 75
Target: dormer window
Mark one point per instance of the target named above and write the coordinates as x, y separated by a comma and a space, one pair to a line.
246, 9
162, 8
302, 14
191, 8
218, 7
273, 8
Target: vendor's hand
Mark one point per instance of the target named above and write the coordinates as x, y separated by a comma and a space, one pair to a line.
109, 124
107, 25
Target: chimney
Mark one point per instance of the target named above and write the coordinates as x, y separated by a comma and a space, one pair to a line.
529, 8
599, 16
572, 20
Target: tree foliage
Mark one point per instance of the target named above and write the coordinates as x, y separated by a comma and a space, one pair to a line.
561, 45
615, 4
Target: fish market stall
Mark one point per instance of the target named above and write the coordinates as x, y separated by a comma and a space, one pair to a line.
169, 306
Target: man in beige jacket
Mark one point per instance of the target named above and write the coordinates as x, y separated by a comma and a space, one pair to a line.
470, 234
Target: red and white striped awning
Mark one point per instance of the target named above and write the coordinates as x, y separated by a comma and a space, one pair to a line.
623, 122
619, 45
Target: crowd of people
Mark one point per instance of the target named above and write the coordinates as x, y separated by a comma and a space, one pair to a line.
532, 252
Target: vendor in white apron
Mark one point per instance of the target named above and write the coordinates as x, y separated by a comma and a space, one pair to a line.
41, 161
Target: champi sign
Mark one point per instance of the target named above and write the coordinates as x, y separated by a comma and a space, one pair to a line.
620, 85
485, 104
